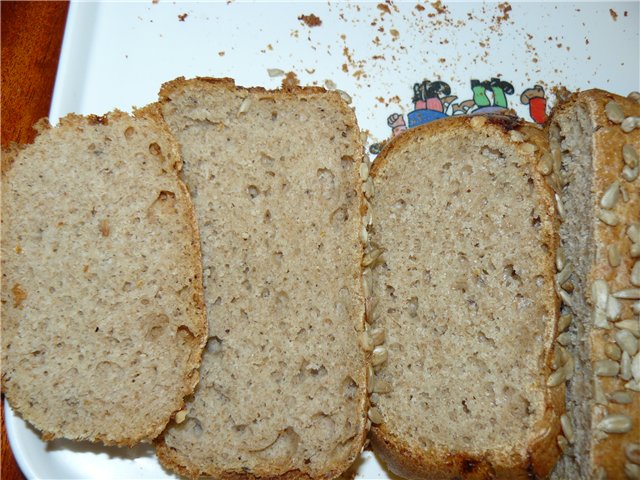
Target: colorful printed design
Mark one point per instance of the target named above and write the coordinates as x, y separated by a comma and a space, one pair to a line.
433, 100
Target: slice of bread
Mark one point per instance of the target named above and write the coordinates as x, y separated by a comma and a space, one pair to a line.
275, 180
103, 320
596, 151
465, 291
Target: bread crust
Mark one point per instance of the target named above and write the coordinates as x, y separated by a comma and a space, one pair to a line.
607, 451
542, 451
169, 457
199, 326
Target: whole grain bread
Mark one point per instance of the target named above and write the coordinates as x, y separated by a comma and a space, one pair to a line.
464, 229
596, 152
103, 320
274, 178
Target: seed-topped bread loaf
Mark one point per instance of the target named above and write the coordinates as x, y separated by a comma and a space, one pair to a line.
595, 141
464, 236
274, 178
103, 320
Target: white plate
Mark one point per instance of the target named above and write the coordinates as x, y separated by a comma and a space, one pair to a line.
116, 55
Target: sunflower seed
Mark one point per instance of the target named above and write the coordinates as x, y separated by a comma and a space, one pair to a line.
244, 106
382, 386
630, 156
563, 322
633, 385
275, 72
562, 443
330, 84
598, 392
635, 274
375, 416
180, 416
636, 307
634, 96
613, 255
371, 382
564, 339
365, 342
632, 452
629, 123
626, 341
569, 367
560, 207
633, 232
558, 360
372, 257
374, 398
606, 368
367, 426
564, 274
556, 378
635, 367
567, 428
616, 423
368, 189
635, 250
630, 174
378, 356
610, 196
345, 96
565, 298
631, 325
625, 367
364, 171
377, 336
545, 165
364, 235
628, 294
608, 217
620, 397
632, 471
612, 351
614, 307
600, 294
561, 259
367, 220
556, 157
554, 182
625, 195
614, 112
599, 318
370, 306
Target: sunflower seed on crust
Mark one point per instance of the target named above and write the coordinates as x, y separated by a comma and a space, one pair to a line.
599, 294
567, 428
378, 356
564, 274
635, 367
608, 217
625, 367
564, 339
630, 174
613, 309
630, 123
634, 96
364, 171
561, 259
614, 112
377, 336
545, 165
606, 368
633, 385
613, 256
633, 232
564, 322
563, 443
565, 297
627, 341
620, 397
375, 416
632, 452
382, 386
632, 471
636, 307
613, 351
630, 156
631, 325
560, 207
635, 274
599, 318
610, 196
598, 392
556, 378
615, 423
635, 250
628, 294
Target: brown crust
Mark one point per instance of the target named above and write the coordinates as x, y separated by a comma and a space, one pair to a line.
607, 143
542, 452
169, 457
200, 334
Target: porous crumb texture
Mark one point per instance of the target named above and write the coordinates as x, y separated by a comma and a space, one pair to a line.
587, 132
103, 321
274, 177
466, 295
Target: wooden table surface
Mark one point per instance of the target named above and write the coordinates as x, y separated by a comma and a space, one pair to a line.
31, 40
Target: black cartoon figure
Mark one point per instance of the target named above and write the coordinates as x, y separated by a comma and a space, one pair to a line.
536, 100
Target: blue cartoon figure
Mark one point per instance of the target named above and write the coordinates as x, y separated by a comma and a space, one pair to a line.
427, 102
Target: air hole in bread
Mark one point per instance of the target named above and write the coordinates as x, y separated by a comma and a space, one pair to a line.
185, 334
349, 387
339, 216
154, 149
128, 133
253, 191
214, 345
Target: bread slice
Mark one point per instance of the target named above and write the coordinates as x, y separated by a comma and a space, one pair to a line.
597, 179
274, 177
103, 320
465, 291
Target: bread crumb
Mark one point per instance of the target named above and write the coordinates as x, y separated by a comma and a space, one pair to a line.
19, 295
310, 20
104, 228
18, 249
183, 16
384, 8
221, 53
614, 14
290, 81
419, 7
85, 269
394, 33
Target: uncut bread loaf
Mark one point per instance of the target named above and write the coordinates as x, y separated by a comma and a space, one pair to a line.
464, 231
103, 320
595, 141
274, 178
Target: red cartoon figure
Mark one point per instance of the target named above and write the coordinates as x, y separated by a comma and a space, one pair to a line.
535, 98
